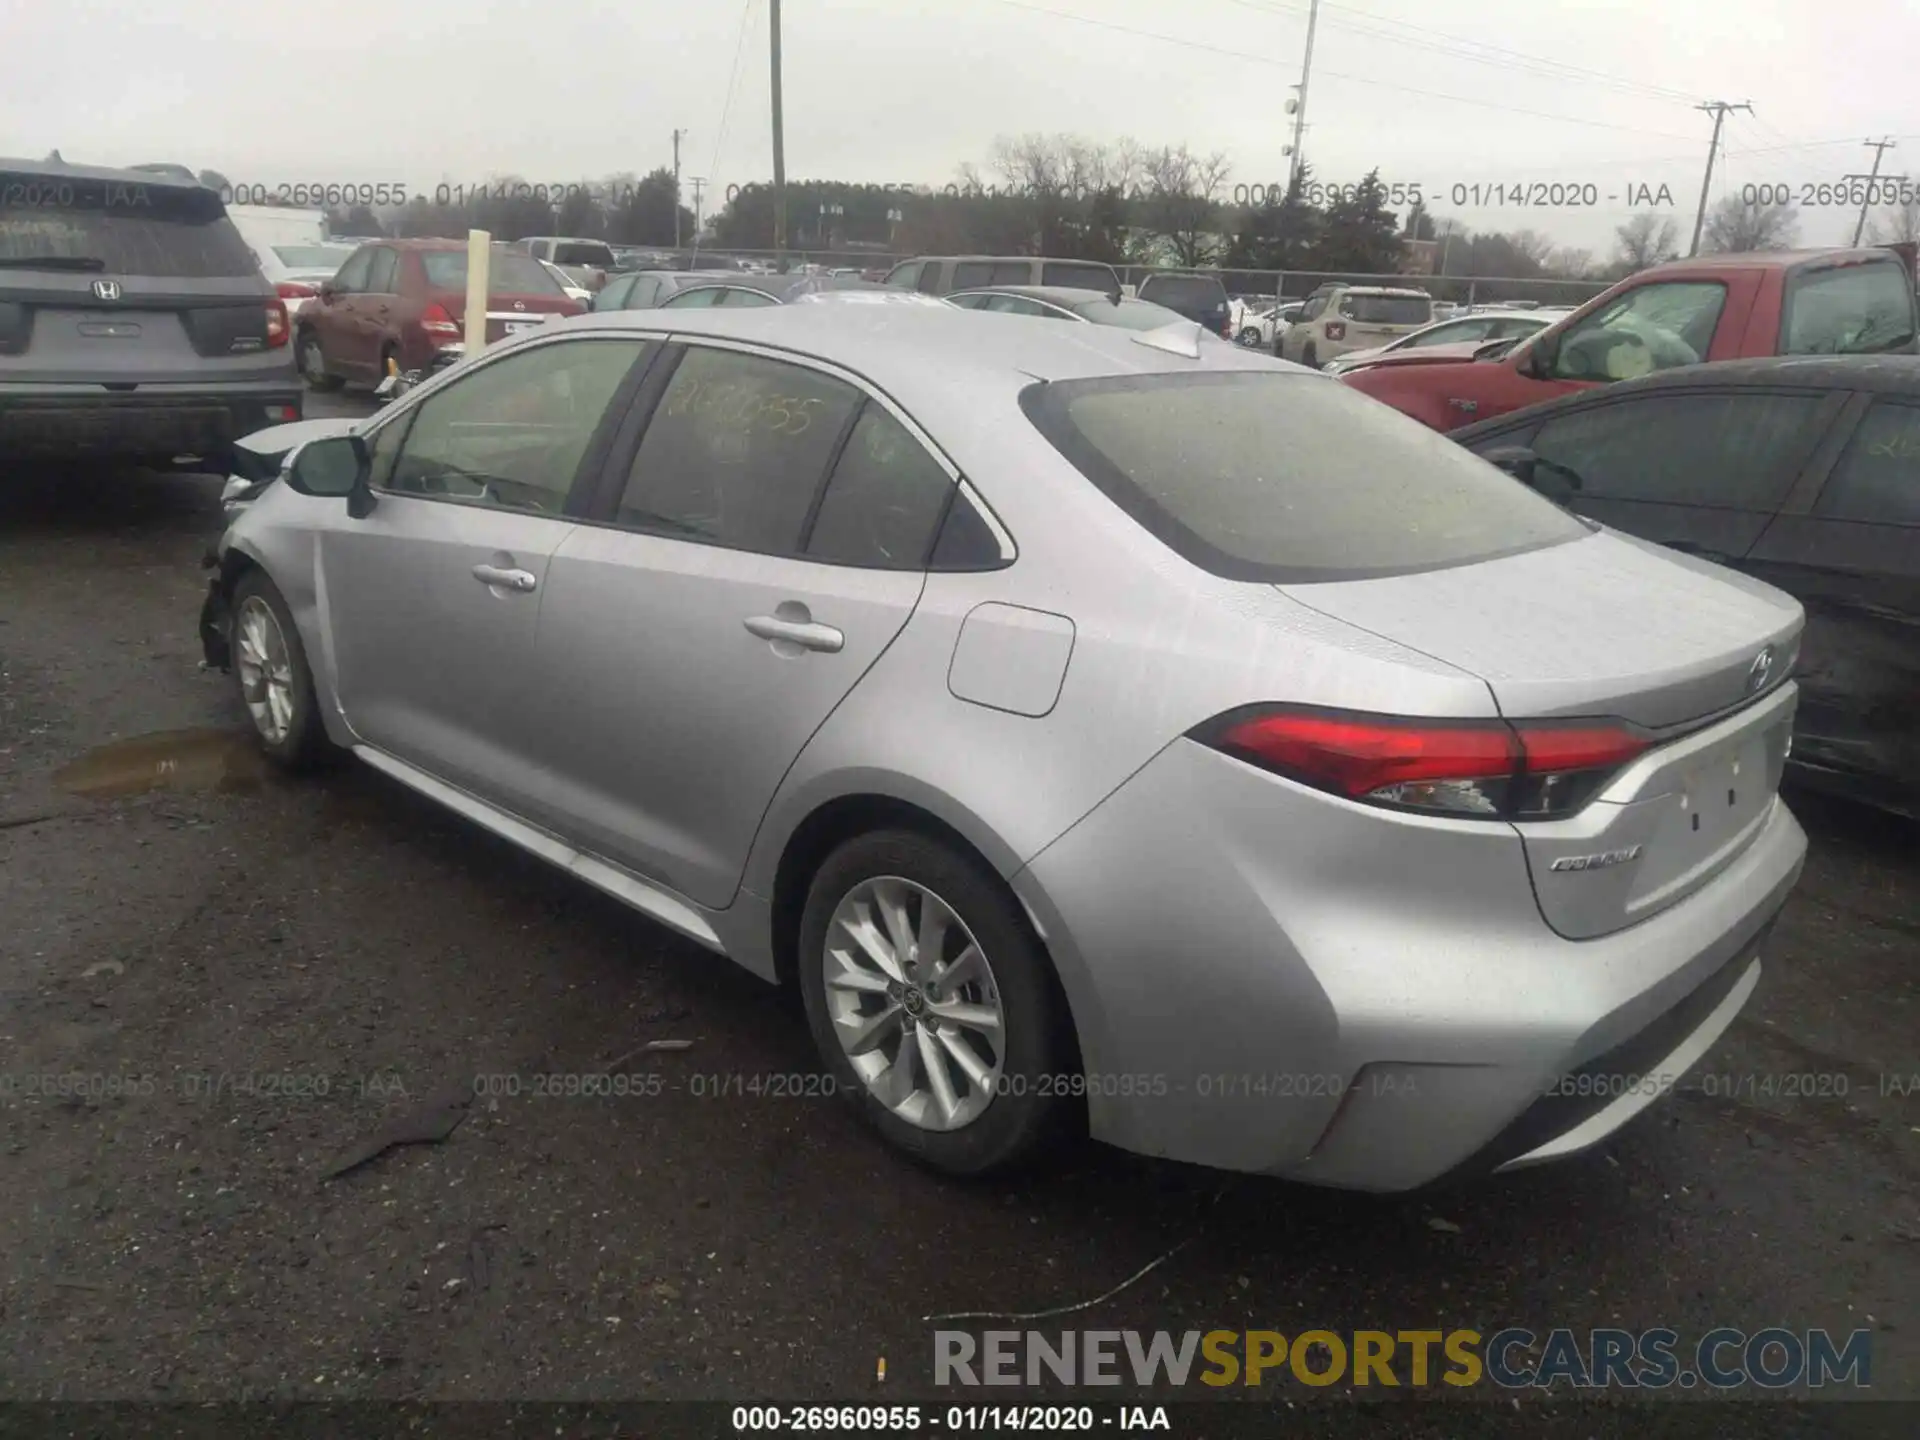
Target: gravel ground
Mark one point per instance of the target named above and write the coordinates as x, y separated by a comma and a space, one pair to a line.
181, 1242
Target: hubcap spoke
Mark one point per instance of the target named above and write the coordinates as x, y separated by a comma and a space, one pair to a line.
933, 1059
869, 1037
913, 1003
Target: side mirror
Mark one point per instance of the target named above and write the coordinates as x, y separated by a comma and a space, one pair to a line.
335, 467
1517, 460
1548, 478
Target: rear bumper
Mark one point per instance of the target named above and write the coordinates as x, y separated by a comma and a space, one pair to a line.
84, 422
1268, 979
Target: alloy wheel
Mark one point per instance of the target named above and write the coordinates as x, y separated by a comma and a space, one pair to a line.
913, 1002
313, 360
266, 669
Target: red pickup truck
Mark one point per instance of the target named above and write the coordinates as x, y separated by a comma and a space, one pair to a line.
1686, 312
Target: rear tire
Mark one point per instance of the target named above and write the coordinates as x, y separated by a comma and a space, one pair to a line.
984, 1005
1310, 357
313, 362
271, 673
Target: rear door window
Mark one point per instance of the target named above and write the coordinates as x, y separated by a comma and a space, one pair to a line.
971, 274
736, 450
929, 282
352, 278
1078, 277
1878, 479
380, 268
1721, 451
885, 500
1860, 309
118, 228
1288, 478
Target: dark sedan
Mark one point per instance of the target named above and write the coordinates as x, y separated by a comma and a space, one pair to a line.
1802, 472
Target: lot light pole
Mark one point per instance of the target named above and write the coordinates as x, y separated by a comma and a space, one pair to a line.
676, 187
1719, 109
779, 149
1300, 103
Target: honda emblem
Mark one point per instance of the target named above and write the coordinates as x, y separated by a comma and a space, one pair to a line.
106, 289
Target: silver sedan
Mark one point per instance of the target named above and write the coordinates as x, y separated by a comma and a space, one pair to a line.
1104, 731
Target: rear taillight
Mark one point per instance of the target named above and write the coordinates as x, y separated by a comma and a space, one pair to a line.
276, 324
436, 320
1491, 769
1336, 330
294, 290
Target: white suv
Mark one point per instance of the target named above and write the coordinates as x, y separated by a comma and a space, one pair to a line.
1339, 318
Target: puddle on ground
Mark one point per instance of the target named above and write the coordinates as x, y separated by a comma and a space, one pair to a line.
169, 760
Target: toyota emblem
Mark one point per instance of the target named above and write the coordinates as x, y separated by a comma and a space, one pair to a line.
1760, 671
106, 289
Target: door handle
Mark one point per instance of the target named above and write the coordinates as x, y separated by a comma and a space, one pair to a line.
520, 580
808, 634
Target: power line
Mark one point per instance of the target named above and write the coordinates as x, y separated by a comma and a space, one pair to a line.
1392, 85
1381, 27
733, 81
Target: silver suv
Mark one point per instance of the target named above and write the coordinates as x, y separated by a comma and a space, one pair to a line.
135, 324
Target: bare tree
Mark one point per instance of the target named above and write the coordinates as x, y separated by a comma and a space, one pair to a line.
1533, 248
1897, 224
1572, 263
1733, 227
1646, 239
1183, 202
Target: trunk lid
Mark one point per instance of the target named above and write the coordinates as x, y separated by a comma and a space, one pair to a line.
1695, 655
510, 314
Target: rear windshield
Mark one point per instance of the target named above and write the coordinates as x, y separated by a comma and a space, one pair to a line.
119, 228
1848, 310
1184, 290
1387, 309
583, 252
1282, 478
1079, 277
313, 257
513, 273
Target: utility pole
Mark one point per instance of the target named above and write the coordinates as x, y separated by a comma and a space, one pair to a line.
699, 186
1880, 147
1300, 105
1719, 109
779, 150
676, 187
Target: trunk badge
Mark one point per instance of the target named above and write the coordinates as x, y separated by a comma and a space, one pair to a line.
1760, 671
519, 304
106, 289
1604, 860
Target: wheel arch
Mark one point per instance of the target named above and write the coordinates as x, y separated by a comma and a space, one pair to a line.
833, 820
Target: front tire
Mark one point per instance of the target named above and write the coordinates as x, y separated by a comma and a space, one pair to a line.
272, 675
313, 363
933, 1004
1250, 337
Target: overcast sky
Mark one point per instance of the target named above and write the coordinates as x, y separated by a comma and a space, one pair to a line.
423, 91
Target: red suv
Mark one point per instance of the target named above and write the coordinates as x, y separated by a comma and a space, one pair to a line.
402, 300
